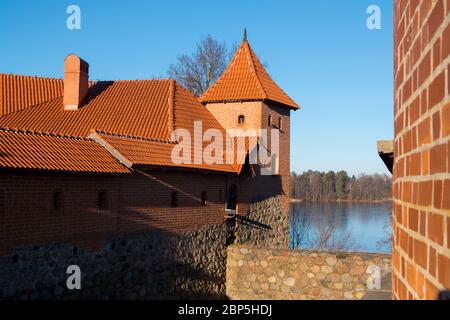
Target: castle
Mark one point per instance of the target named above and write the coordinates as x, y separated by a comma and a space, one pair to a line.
85, 165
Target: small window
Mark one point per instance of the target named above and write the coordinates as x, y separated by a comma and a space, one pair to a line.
2, 202
241, 119
58, 200
280, 123
102, 200
174, 199
269, 121
203, 200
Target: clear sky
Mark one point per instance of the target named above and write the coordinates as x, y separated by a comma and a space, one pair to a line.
320, 52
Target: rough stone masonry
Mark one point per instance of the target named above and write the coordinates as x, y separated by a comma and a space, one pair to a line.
281, 274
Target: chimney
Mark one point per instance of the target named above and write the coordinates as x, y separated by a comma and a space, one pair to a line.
76, 81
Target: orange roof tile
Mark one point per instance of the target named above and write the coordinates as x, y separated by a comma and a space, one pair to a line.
245, 79
41, 151
136, 152
135, 108
140, 112
19, 92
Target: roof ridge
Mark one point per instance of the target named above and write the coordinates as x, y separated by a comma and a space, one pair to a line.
28, 76
228, 68
42, 133
171, 109
261, 87
125, 136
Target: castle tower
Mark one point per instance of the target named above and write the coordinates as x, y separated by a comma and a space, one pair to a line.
245, 97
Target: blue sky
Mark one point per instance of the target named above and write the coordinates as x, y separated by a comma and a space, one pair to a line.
320, 52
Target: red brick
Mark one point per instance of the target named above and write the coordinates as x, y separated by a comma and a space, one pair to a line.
446, 43
444, 270
425, 68
425, 193
446, 198
411, 274
423, 223
403, 240
446, 120
436, 125
438, 159
436, 18
426, 162
413, 219
437, 90
431, 292
420, 253
424, 101
415, 164
424, 132
437, 194
432, 259
420, 286
425, 7
448, 232
435, 228
437, 54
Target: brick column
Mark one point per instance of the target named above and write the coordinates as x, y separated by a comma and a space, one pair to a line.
421, 183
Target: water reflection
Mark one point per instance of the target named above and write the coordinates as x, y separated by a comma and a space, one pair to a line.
341, 226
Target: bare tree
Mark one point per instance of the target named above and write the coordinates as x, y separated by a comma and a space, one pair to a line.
322, 235
197, 72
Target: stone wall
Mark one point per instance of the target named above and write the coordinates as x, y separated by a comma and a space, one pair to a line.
281, 274
150, 265
266, 225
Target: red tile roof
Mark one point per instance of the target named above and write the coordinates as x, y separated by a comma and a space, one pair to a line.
137, 152
20, 92
33, 150
136, 108
245, 79
143, 113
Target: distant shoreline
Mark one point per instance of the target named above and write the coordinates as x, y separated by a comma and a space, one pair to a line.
345, 201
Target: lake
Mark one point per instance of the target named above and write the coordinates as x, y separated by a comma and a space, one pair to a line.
341, 226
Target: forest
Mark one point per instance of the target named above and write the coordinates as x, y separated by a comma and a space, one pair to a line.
339, 186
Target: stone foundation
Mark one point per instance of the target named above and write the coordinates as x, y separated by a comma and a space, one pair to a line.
150, 265
266, 225
254, 274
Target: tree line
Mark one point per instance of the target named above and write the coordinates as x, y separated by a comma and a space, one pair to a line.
332, 186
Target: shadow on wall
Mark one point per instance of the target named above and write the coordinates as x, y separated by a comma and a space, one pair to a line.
444, 295
152, 264
131, 256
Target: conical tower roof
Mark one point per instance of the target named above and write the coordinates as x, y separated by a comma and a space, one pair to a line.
245, 79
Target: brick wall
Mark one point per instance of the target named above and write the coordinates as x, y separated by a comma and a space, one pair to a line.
135, 203
421, 184
256, 117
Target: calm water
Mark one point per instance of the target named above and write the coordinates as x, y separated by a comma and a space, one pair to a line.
341, 226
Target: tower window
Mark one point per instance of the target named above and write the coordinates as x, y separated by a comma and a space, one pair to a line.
241, 119
102, 200
280, 123
203, 199
269, 121
58, 200
174, 199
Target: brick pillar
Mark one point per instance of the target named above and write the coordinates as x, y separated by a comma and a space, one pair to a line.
421, 182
